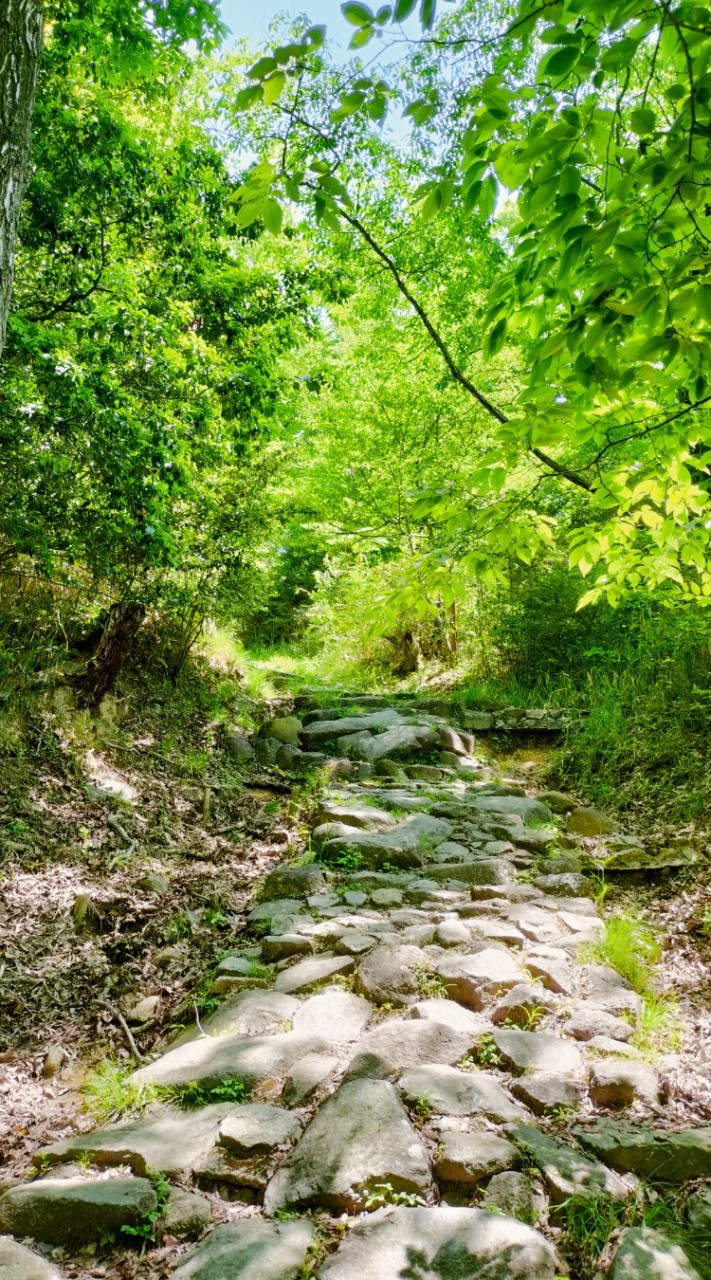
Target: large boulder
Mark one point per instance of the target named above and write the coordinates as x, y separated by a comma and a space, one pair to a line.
400, 1043
337, 1015
249, 1250
19, 1263
646, 1254
326, 730
388, 974
354, 814
404, 845
441, 1244
672, 1155
530, 811
360, 1139
292, 883
251, 1059
566, 1171
402, 741
76, 1211
450, 1092
170, 1141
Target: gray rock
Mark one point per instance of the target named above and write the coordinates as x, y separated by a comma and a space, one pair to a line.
75, 1211
673, 1155
307, 1077
252, 1059
452, 1015
514, 1194
588, 1022
388, 975
646, 1254
251, 1013
458, 1093
238, 746
545, 1094
469, 979
325, 730
257, 1128
522, 1003
587, 821
292, 883
400, 1043
170, 1141
479, 721
440, 1244
338, 1016
485, 871
359, 1139
355, 814
296, 761
185, 1216
451, 851
19, 1263
698, 1215
566, 1172
284, 946
353, 943
285, 729
619, 1084
385, 898
568, 882
404, 845
555, 975
425, 772
453, 933
401, 741
534, 1051
458, 742
312, 972
466, 1158
558, 801
530, 811
249, 1250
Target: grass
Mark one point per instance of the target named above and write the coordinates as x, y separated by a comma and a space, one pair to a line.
110, 1091
631, 948
659, 1028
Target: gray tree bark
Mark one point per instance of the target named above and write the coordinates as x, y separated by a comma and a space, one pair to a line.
20, 46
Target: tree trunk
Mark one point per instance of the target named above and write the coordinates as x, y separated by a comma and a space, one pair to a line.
20, 45
122, 627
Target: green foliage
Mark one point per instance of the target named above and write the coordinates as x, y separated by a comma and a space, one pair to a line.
383, 1193
588, 1222
146, 1229
429, 985
196, 1094
111, 1092
630, 947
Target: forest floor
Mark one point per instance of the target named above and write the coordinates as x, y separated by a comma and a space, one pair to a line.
131, 847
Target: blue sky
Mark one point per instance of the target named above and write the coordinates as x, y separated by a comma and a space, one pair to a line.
252, 17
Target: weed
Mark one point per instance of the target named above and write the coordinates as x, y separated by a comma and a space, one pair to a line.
487, 1052
529, 1018
423, 1106
588, 1222
110, 1090
146, 1229
197, 1094
631, 948
179, 927
384, 1193
429, 985
658, 1028
347, 860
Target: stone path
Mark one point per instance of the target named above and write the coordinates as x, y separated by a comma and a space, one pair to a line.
412, 1075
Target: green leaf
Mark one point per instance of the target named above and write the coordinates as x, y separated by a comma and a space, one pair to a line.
315, 36
403, 9
246, 98
427, 13
643, 121
559, 63
359, 15
361, 37
273, 87
263, 67
487, 199
272, 215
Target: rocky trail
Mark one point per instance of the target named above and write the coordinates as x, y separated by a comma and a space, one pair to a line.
422, 1066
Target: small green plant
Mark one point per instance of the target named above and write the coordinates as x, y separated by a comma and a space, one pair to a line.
347, 860
488, 1053
197, 1094
658, 1027
146, 1228
110, 1090
384, 1193
529, 1018
631, 948
178, 928
423, 1106
429, 985
588, 1222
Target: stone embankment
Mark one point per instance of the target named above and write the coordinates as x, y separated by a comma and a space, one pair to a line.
418, 1068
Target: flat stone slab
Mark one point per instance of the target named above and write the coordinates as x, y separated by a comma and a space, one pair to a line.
325, 730
546, 1093
672, 1155
359, 1139
470, 979
534, 1051
170, 1141
250, 1013
75, 1211
452, 1015
311, 972
388, 974
566, 1171
249, 1250
19, 1263
440, 1244
400, 1043
250, 1059
404, 845
257, 1128
450, 1092
530, 811
646, 1254
356, 814
337, 1015
467, 1158
400, 741
619, 1084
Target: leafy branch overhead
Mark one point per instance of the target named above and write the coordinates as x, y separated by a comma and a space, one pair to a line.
579, 135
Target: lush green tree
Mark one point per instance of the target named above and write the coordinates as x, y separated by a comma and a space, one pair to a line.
592, 122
